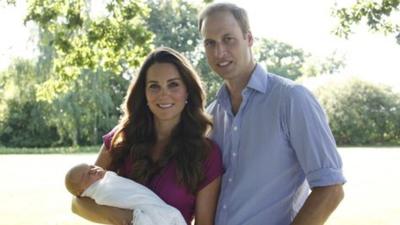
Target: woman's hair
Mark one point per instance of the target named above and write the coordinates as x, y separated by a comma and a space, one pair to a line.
238, 13
136, 133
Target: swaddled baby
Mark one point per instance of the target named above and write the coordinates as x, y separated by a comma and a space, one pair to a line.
107, 188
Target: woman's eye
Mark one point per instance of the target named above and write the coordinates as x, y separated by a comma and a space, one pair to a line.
154, 87
173, 84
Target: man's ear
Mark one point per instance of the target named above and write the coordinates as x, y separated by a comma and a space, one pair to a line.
249, 38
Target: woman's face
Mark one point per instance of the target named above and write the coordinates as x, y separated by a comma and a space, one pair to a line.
166, 93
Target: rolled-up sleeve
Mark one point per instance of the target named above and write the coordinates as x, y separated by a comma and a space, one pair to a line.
312, 139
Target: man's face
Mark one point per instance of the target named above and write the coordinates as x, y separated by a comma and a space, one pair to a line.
227, 48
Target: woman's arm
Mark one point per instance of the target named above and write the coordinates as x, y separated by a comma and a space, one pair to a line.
206, 203
104, 158
88, 209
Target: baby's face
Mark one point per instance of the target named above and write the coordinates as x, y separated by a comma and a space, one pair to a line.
90, 174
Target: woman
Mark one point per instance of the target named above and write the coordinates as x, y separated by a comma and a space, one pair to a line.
161, 142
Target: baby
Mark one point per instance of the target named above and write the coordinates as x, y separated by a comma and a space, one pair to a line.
107, 188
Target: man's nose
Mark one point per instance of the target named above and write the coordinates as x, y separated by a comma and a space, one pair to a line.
220, 50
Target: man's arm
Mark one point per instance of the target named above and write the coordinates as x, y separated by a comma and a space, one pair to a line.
319, 205
88, 209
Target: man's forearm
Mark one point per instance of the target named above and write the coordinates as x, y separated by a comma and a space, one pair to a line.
88, 209
319, 205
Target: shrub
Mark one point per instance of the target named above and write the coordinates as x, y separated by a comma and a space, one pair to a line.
361, 113
25, 125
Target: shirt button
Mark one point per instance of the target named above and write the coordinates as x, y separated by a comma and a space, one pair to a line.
230, 179
235, 128
234, 154
224, 206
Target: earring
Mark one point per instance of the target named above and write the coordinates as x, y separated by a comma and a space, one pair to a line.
186, 101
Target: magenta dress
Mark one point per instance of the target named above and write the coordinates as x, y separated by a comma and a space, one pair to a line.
166, 186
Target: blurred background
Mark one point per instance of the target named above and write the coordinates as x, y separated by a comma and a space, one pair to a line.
65, 65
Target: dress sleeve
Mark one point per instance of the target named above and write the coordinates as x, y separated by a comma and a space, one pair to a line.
107, 138
213, 166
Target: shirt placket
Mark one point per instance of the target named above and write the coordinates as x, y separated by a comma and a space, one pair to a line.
232, 140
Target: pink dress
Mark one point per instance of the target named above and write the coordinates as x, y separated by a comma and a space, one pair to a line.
166, 186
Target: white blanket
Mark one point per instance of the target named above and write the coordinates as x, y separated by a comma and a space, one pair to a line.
148, 208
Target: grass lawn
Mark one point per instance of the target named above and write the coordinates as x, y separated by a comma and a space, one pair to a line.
55, 150
372, 189
32, 188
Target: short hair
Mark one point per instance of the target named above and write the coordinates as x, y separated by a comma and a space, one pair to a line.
238, 13
73, 184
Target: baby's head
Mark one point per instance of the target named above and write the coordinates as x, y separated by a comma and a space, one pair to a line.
81, 176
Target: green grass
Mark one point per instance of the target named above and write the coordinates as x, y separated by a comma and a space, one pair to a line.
33, 191
54, 150
95, 149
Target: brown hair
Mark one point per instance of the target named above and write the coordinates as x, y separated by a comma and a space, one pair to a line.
136, 134
237, 12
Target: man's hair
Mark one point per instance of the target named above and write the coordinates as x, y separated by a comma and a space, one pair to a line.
238, 13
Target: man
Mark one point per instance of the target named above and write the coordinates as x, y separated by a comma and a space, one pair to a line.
276, 142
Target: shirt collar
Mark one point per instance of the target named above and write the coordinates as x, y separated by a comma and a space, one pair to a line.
258, 81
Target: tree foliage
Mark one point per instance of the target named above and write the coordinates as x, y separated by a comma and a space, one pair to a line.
279, 57
23, 120
288, 61
115, 42
86, 61
361, 113
7, 2
378, 15
314, 66
174, 24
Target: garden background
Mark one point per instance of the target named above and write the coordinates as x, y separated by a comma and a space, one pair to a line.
65, 90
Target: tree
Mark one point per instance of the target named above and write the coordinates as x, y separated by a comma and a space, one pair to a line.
294, 63
82, 115
174, 24
7, 2
24, 121
89, 109
378, 15
332, 64
361, 113
279, 58
115, 42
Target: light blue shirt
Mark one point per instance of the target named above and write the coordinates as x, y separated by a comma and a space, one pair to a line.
277, 146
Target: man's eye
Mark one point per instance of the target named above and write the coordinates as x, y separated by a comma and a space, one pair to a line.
208, 43
229, 39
